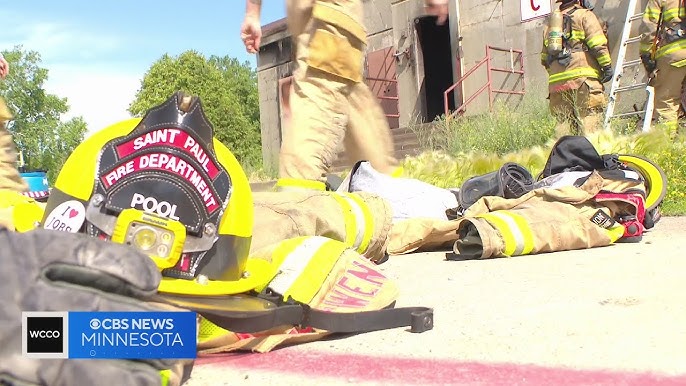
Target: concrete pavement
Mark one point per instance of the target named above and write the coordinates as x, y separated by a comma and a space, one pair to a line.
611, 316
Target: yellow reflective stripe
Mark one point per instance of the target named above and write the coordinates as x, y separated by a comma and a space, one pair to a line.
365, 224
645, 47
165, 375
578, 35
208, 330
680, 63
615, 232
398, 172
282, 251
595, 41
604, 60
306, 267
359, 222
573, 74
515, 231
652, 13
671, 47
278, 255
505, 232
348, 218
288, 184
670, 14
306, 285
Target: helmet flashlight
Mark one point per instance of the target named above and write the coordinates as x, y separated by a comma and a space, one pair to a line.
158, 237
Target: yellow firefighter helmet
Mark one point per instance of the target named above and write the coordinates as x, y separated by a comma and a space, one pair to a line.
164, 185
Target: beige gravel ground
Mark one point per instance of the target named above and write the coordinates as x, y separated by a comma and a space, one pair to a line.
619, 308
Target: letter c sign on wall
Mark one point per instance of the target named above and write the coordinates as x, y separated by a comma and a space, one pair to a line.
532, 9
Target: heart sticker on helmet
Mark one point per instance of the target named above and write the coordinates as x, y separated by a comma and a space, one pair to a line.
67, 217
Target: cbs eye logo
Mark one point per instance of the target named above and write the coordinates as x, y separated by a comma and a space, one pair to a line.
44, 334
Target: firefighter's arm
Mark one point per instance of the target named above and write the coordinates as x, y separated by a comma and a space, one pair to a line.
596, 41
253, 8
251, 30
649, 26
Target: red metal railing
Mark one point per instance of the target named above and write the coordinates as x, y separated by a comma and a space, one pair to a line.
489, 83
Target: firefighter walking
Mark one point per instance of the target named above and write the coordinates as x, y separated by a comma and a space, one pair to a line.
329, 100
576, 56
663, 53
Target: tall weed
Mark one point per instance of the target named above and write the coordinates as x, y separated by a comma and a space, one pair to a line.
501, 131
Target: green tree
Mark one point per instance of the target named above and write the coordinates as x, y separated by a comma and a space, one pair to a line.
40, 135
227, 89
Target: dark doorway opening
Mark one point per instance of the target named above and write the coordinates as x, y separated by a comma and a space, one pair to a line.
438, 68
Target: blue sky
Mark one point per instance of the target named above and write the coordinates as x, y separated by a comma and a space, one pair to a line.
96, 52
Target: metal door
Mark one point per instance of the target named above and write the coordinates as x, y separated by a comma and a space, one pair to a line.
382, 79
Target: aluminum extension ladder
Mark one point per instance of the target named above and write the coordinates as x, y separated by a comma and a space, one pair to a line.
621, 66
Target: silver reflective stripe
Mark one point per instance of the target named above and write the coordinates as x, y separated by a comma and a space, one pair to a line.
295, 189
294, 264
514, 230
360, 224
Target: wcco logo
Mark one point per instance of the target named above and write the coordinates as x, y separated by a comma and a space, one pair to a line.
44, 334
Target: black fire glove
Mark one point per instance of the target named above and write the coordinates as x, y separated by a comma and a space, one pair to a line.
46, 270
649, 64
607, 74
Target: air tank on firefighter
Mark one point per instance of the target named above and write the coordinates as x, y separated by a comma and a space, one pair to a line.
555, 26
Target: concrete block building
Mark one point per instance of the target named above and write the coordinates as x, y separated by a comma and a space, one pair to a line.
489, 50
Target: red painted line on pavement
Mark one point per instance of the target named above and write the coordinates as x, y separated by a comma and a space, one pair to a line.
427, 371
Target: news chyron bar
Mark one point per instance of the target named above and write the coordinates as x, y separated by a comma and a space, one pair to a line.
109, 335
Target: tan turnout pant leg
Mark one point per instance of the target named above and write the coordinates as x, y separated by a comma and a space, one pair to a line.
327, 108
668, 87
581, 107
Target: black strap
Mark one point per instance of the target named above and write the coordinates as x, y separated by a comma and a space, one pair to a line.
611, 161
254, 321
419, 319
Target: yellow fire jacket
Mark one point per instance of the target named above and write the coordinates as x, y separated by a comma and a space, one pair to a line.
589, 51
671, 42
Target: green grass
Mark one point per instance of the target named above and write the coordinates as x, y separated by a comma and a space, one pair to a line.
502, 131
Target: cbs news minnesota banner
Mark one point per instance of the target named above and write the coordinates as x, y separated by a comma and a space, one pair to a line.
109, 335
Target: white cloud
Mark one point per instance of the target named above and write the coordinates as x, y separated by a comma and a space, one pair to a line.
101, 95
61, 42
80, 68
